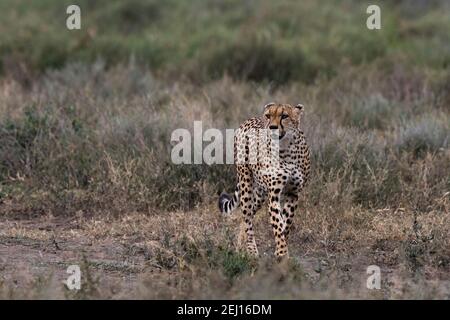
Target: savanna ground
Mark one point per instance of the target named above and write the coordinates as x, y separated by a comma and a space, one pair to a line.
86, 119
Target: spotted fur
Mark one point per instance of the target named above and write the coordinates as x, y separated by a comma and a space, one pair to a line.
279, 180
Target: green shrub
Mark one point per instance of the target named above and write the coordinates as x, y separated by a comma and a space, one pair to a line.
429, 133
265, 41
250, 59
234, 263
373, 112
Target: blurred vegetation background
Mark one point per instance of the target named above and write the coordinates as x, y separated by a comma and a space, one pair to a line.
276, 41
86, 115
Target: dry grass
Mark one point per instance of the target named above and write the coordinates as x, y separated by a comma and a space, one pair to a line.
193, 255
85, 163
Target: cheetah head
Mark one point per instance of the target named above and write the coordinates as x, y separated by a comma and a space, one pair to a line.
282, 118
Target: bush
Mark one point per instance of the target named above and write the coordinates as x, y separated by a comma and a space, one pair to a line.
250, 59
374, 112
427, 134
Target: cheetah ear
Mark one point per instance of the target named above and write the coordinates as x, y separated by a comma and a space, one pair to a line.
269, 105
300, 107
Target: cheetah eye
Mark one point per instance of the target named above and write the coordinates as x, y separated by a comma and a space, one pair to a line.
267, 116
284, 116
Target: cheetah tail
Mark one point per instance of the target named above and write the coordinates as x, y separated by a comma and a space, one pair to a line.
227, 204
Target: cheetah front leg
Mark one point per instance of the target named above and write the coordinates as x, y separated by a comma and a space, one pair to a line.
248, 208
278, 223
289, 207
259, 196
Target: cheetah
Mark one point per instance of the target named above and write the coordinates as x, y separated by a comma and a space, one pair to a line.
280, 172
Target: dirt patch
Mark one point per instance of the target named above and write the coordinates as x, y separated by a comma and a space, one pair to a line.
195, 255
